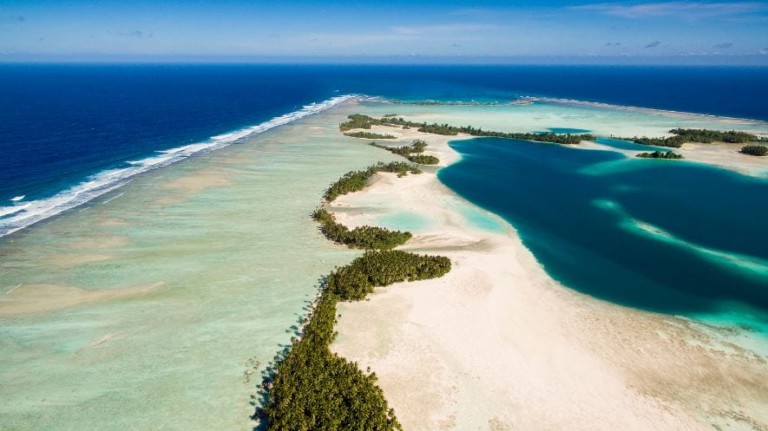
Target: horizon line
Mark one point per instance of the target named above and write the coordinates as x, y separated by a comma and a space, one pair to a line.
678, 60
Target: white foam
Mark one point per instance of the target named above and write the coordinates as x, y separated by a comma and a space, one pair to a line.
18, 198
16, 217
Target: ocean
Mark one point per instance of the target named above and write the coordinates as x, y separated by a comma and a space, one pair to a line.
155, 294
72, 132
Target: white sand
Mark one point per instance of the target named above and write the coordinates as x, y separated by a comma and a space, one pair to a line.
726, 156
497, 344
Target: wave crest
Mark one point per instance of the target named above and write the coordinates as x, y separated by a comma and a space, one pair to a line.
19, 216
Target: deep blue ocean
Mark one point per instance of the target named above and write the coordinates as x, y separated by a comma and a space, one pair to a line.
60, 124
70, 130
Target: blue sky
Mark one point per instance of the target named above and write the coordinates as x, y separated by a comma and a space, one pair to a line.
677, 31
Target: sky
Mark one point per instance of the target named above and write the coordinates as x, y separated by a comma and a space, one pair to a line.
713, 32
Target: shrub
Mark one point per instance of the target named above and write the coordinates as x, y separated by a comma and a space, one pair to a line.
755, 150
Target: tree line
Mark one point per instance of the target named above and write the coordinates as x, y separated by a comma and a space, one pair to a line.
310, 388
704, 136
365, 237
357, 180
411, 152
382, 268
369, 135
365, 122
667, 155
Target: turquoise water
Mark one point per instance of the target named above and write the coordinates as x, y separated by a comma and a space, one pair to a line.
480, 219
191, 274
405, 221
210, 261
678, 238
627, 145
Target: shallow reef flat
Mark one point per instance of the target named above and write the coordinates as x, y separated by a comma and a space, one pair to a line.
145, 308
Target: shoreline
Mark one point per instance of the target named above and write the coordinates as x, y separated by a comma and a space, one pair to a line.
110, 179
466, 352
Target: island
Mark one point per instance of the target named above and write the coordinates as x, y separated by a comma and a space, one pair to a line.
664, 155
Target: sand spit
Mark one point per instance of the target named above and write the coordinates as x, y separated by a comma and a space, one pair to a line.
497, 344
725, 156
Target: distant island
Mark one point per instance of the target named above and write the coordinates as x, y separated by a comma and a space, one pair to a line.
359, 121
683, 136
666, 155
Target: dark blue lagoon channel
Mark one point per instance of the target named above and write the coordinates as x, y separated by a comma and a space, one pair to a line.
673, 237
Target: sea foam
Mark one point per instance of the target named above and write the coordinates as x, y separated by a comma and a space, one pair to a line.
18, 216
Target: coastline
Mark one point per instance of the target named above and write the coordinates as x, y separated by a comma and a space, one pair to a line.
22, 213
497, 344
162, 304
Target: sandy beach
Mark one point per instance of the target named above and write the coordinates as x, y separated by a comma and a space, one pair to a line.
726, 156
499, 345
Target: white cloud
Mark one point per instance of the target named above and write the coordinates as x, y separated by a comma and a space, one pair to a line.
680, 9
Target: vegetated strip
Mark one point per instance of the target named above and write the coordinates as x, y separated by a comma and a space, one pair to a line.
683, 136
357, 180
365, 237
369, 135
665, 155
755, 150
411, 152
312, 388
359, 121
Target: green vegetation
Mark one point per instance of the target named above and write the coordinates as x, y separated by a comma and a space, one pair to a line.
411, 152
682, 136
357, 121
311, 388
315, 389
666, 155
365, 122
423, 159
755, 150
369, 135
382, 268
448, 130
365, 237
357, 180
417, 146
